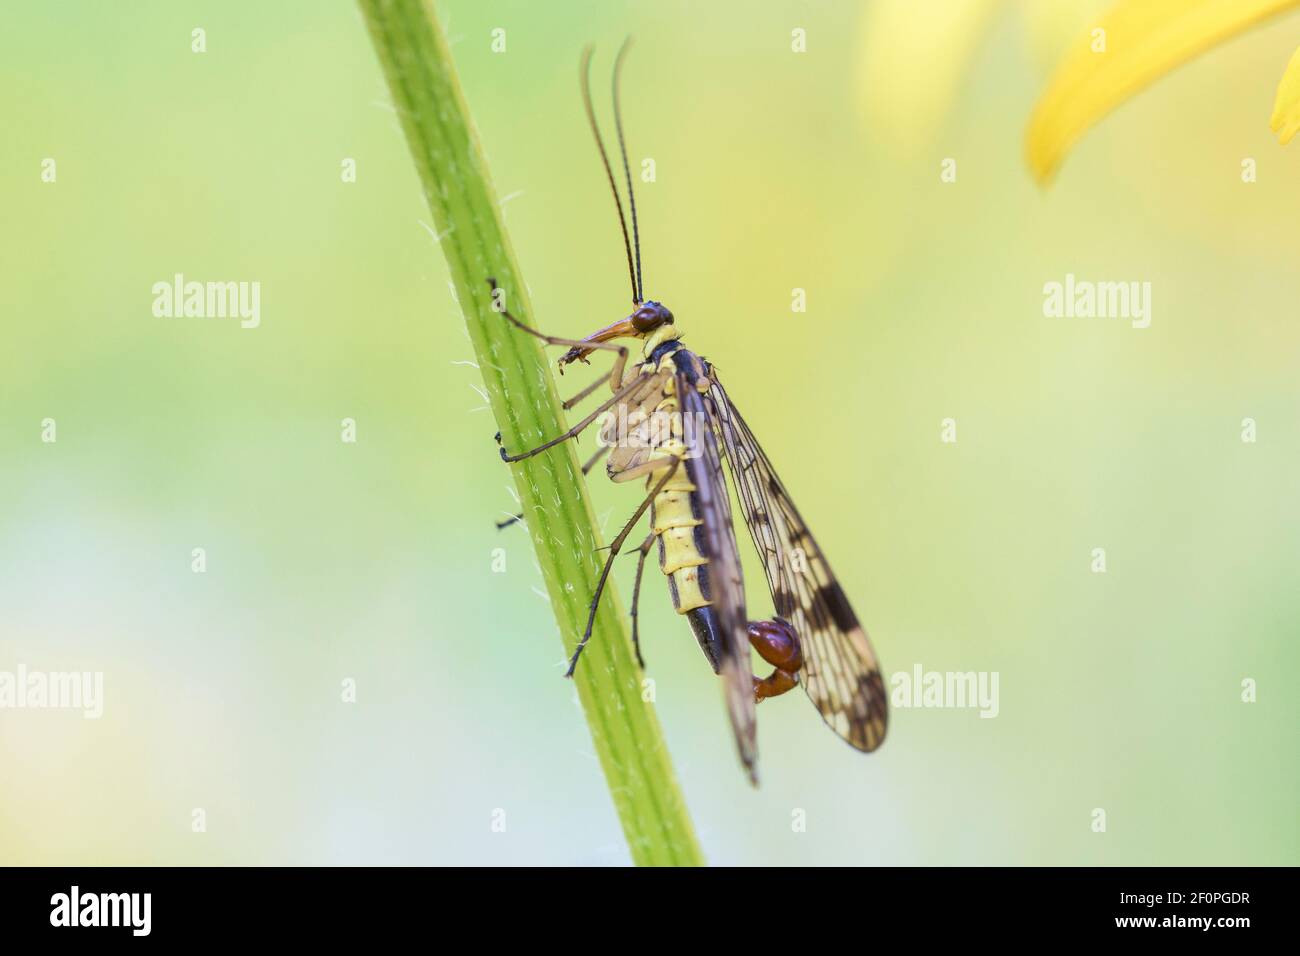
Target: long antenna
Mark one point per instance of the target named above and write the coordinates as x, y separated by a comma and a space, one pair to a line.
622, 148
585, 70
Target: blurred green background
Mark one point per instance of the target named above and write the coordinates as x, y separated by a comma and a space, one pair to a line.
373, 561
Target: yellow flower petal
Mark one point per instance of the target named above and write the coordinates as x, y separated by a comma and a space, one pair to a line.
1134, 44
1286, 108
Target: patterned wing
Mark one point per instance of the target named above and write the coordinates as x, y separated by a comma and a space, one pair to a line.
726, 586
840, 672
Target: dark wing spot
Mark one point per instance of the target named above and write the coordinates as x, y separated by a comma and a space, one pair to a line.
832, 596
817, 616
783, 601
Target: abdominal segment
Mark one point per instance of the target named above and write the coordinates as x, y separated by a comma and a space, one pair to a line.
675, 520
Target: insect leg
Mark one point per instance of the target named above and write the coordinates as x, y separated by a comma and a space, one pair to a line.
576, 429
636, 471
586, 468
615, 372
646, 545
778, 644
585, 392
670, 468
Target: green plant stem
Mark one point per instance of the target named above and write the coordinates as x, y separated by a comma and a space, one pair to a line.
625, 730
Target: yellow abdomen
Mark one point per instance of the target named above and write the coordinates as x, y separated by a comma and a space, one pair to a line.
673, 515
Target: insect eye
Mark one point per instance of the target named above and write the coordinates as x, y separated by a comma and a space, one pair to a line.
647, 318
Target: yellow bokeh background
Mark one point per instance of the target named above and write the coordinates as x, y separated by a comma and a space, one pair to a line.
373, 561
